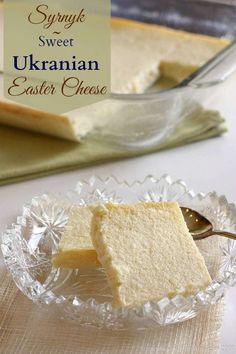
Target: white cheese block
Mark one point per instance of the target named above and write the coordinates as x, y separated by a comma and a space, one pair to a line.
147, 252
75, 249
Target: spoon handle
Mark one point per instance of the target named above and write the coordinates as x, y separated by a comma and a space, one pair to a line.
214, 233
225, 234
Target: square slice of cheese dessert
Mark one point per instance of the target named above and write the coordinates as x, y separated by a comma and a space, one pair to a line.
75, 248
147, 252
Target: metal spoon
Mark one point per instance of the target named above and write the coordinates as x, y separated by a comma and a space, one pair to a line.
200, 227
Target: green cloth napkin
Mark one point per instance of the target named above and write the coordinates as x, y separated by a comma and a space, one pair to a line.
25, 155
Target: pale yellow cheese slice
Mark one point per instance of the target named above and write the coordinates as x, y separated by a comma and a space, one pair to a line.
147, 252
75, 248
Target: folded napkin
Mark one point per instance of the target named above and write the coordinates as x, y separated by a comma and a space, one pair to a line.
25, 155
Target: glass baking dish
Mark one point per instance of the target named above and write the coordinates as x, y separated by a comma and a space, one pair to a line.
141, 120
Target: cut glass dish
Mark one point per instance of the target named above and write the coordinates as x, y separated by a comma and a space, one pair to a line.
84, 296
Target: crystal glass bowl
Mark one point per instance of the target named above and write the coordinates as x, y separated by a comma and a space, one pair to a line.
84, 296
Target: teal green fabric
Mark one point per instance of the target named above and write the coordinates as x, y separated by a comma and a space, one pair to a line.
25, 155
